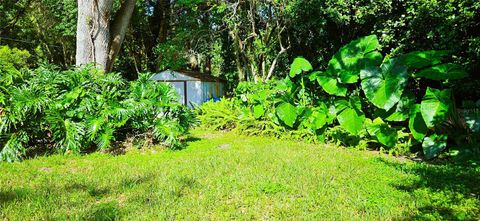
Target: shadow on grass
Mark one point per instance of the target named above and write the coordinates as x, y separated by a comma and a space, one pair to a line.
13, 195
445, 192
191, 139
104, 211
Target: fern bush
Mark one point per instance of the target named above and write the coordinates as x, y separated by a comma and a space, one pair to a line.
220, 115
74, 110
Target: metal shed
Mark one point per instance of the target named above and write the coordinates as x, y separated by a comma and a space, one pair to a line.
193, 87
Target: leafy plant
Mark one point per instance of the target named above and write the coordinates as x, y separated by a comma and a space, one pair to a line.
74, 110
220, 115
287, 113
385, 93
385, 134
384, 86
350, 115
435, 106
346, 64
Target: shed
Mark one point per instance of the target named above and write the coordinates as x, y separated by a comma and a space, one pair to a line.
193, 87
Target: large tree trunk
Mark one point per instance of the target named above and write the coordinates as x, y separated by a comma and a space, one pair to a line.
97, 43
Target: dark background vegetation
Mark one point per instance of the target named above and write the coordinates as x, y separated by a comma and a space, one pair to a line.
200, 35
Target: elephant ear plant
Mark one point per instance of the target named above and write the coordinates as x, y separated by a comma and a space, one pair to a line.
381, 87
394, 102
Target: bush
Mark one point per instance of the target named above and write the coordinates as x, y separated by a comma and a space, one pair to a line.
79, 109
363, 99
220, 115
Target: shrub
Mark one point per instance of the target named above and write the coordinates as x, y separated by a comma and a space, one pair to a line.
365, 98
220, 115
80, 109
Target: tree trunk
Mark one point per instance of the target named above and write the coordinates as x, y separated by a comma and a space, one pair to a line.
237, 45
119, 28
97, 43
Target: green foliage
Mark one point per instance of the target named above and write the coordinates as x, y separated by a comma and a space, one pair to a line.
417, 124
346, 64
299, 65
330, 84
384, 86
435, 106
434, 145
443, 72
221, 115
353, 57
383, 132
293, 107
71, 111
11, 62
350, 115
422, 59
402, 109
287, 113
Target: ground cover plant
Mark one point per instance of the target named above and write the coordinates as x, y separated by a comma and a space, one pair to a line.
361, 98
223, 175
83, 109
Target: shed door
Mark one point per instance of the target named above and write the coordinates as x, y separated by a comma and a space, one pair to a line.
180, 88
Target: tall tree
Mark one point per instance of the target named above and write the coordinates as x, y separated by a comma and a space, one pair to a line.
99, 38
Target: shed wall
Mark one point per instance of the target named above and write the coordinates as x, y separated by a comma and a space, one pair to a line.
212, 90
194, 92
180, 89
197, 91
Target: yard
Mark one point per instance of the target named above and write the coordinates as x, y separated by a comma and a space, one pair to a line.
221, 176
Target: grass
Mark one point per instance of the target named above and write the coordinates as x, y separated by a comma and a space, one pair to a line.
226, 176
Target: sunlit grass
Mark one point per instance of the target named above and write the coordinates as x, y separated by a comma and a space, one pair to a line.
226, 176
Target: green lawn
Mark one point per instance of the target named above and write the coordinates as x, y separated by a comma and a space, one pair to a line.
226, 176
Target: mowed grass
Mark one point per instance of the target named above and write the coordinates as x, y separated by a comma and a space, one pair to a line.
223, 176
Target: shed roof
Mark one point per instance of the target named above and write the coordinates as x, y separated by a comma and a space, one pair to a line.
189, 75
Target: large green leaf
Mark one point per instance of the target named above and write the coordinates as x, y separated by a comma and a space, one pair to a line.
434, 145
443, 72
299, 64
314, 118
353, 57
345, 65
401, 111
384, 86
382, 131
287, 113
416, 124
258, 111
350, 115
435, 106
331, 85
319, 116
421, 59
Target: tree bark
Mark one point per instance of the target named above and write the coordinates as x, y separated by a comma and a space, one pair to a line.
119, 28
97, 43
238, 51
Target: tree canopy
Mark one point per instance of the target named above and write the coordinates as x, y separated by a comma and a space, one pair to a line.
249, 40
